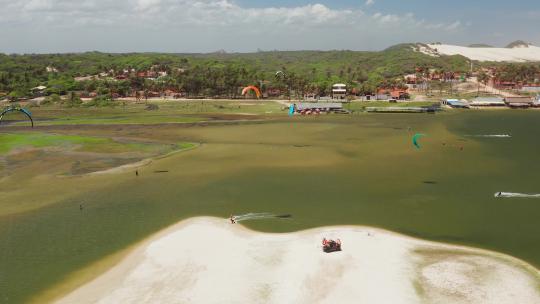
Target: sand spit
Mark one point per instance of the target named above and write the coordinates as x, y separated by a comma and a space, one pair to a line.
139, 164
209, 260
517, 54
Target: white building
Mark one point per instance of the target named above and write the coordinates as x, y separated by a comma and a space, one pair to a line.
339, 91
531, 88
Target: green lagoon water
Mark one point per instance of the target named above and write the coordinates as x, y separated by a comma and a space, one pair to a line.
360, 170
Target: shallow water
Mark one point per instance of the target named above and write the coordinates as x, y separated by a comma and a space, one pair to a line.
323, 171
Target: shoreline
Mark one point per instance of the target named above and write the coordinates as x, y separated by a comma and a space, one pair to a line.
119, 282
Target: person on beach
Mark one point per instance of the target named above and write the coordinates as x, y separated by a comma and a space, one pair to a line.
233, 221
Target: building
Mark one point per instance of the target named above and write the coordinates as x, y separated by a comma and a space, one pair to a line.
339, 91
536, 102
487, 102
310, 97
382, 96
456, 104
519, 102
534, 88
399, 94
505, 85
39, 91
307, 108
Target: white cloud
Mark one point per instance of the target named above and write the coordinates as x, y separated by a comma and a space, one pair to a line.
454, 26
145, 5
370, 2
205, 24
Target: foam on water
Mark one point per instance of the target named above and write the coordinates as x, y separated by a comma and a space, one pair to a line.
259, 216
515, 195
492, 136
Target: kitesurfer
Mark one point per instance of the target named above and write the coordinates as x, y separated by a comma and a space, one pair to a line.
136, 172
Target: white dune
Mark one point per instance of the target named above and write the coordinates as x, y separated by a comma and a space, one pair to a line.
208, 260
517, 54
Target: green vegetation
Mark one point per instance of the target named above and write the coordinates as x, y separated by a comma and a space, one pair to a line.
213, 75
9, 142
528, 73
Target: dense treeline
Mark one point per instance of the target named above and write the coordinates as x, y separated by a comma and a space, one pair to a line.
217, 74
522, 73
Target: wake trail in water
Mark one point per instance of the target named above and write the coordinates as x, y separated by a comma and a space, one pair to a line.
260, 216
491, 136
515, 195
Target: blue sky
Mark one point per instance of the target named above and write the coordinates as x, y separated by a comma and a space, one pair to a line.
34, 26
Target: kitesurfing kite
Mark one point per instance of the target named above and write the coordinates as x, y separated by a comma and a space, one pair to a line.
415, 140
252, 88
17, 109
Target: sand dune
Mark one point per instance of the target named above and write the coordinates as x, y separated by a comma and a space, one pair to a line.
208, 260
518, 54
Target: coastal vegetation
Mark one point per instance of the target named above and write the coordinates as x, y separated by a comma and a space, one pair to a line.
214, 74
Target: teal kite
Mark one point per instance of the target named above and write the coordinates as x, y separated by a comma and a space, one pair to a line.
415, 140
15, 109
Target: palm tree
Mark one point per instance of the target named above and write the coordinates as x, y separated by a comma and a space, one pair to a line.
482, 78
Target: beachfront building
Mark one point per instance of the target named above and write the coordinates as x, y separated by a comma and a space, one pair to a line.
38, 91
533, 88
487, 102
309, 108
519, 102
456, 103
339, 91
536, 102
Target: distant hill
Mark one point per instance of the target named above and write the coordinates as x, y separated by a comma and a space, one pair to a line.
480, 45
518, 44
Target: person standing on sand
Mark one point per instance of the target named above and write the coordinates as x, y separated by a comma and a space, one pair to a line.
233, 221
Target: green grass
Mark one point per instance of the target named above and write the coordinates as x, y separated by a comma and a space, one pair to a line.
9, 142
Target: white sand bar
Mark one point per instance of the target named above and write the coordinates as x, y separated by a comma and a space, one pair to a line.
208, 260
517, 54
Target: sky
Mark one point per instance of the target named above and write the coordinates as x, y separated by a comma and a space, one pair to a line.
182, 26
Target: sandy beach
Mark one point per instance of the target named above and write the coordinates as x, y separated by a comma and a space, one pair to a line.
208, 260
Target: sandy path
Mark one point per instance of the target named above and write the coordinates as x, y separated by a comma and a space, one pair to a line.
208, 260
